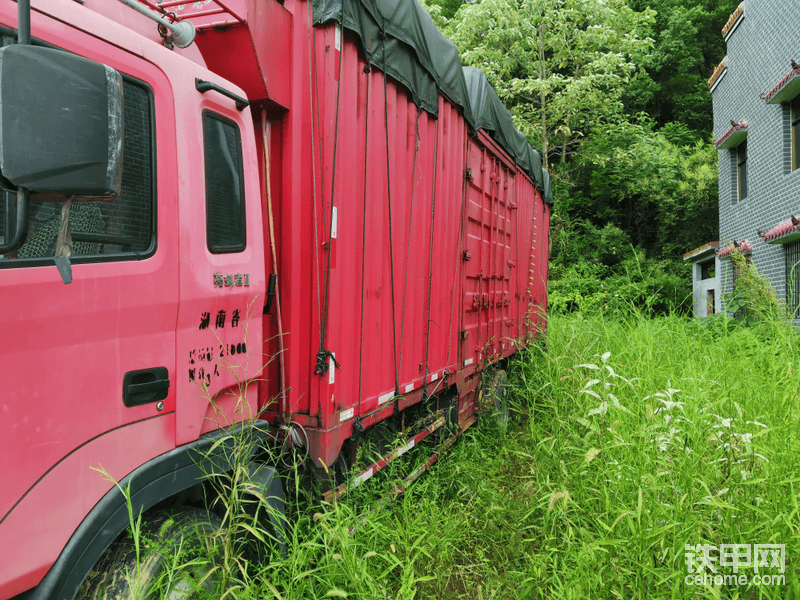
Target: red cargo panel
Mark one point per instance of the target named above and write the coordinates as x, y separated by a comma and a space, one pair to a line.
447, 263
536, 308
489, 321
390, 177
374, 221
529, 200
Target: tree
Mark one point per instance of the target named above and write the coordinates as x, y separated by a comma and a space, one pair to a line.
688, 46
560, 66
663, 195
446, 9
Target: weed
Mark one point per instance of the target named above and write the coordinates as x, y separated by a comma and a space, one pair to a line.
650, 435
636, 437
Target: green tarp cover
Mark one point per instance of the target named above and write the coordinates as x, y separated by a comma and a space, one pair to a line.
490, 115
399, 38
548, 192
416, 53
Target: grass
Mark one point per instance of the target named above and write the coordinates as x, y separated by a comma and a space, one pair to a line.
633, 439
651, 434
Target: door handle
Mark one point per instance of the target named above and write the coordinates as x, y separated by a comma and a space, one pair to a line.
145, 386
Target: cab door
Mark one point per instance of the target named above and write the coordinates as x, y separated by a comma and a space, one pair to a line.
222, 282
87, 367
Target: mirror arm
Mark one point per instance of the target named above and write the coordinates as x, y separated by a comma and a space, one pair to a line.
21, 227
24, 21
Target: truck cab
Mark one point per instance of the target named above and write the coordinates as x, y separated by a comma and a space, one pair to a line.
146, 347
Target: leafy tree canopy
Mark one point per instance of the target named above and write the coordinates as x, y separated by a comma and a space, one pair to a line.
688, 46
560, 66
614, 95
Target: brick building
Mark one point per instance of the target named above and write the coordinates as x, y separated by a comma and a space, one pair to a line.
756, 95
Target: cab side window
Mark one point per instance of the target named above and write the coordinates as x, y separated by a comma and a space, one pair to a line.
121, 228
225, 218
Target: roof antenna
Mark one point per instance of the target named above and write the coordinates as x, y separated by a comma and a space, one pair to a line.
183, 32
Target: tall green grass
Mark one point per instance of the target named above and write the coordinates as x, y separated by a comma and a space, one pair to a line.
634, 439
651, 434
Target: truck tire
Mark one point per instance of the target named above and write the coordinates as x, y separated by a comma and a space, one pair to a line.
176, 560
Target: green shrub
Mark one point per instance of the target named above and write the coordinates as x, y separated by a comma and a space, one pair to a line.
635, 283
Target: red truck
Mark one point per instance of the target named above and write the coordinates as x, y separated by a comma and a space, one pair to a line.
305, 216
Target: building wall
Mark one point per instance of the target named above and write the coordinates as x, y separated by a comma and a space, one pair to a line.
759, 53
701, 287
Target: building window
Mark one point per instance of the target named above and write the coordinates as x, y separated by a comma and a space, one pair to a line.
793, 276
795, 111
707, 270
709, 303
741, 169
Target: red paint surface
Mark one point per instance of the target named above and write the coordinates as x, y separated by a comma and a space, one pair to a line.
386, 346
401, 295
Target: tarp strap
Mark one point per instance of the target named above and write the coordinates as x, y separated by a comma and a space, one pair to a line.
323, 326
323, 354
389, 199
408, 241
323, 362
312, 62
430, 254
363, 248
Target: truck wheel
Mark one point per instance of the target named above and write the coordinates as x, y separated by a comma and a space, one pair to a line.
176, 561
496, 398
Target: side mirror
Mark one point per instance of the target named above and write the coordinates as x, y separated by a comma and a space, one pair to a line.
61, 128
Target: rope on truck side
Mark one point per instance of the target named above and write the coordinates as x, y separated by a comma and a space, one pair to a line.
389, 199
408, 242
459, 267
430, 255
325, 356
363, 253
312, 76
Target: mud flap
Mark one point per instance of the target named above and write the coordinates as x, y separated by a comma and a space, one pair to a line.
269, 490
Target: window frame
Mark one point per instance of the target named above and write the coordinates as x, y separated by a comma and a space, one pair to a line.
705, 269
741, 168
213, 114
794, 128
44, 261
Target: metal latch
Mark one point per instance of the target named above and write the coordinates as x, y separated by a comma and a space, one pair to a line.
273, 278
